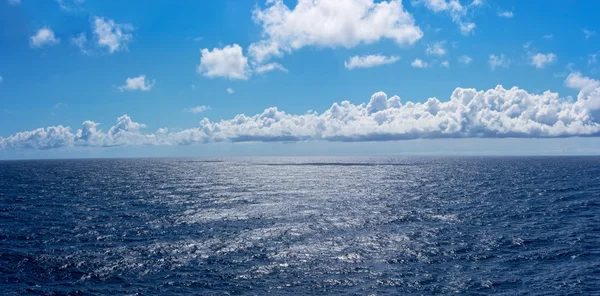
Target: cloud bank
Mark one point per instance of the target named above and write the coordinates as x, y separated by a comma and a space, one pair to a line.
494, 113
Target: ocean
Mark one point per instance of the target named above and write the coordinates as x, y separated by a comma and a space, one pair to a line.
301, 226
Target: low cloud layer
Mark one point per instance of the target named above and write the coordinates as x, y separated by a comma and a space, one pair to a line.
494, 113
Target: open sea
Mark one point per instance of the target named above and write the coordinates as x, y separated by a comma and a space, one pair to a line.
301, 226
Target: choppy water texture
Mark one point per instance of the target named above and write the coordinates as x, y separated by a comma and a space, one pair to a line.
297, 226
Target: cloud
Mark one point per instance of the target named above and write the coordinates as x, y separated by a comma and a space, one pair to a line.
593, 58
230, 90
418, 63
453, 6
589, 88
494, 113
445, 64
1, 79
349, 23
499, 61
456, 11
465, 59
69, 4
265, 49
14, 2
588, 34
369, 61
269, 67
228, 62
115, 37
137, 83
80, 41
541, 60
466, 28
506, 14
44, 36
548, 36
198, 109
436, 49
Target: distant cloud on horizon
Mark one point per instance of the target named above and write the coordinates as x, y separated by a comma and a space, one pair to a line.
494, 113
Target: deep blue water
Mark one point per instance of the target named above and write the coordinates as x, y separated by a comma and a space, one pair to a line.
301, 226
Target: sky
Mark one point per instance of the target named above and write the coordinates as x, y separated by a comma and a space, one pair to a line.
90, 78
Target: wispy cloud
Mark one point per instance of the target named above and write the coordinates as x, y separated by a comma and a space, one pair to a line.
110, 35
198, 109
589, 34
269, 67
465, 59
499, 61
436, 49
369, 61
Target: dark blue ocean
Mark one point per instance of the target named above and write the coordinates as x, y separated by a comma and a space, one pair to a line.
301, 226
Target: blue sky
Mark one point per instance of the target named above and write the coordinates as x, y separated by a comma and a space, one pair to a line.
170, 64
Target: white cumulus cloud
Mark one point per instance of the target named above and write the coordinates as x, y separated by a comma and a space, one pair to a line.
418, 63
44, 36
230, 90
228, 62
330, 23
138, 83
541, 60
369, 61
115, 37
469, 113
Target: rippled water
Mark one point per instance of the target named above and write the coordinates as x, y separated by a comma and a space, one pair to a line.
379, 225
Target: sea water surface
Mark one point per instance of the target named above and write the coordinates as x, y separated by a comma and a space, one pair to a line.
301, 226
